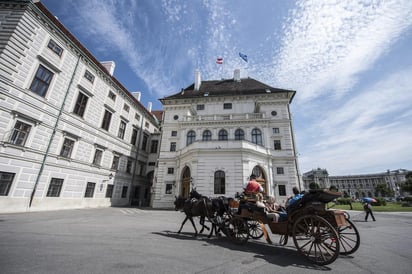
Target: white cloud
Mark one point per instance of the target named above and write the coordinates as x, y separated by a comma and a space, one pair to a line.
372, 128
327, 44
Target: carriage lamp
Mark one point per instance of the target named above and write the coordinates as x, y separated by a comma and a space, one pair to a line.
110, 176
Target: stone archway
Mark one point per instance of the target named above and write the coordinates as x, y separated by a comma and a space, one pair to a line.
185, 184
260, 177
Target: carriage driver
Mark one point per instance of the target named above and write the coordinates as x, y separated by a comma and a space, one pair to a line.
253, 187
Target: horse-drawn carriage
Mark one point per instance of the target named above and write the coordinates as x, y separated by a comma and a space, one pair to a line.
318, 233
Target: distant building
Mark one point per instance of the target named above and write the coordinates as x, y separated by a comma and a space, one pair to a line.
71, 136
215, 134
357, 186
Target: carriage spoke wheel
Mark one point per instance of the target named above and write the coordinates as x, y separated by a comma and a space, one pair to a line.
255, 231
283, 239
316, 239
238, 230
349, 238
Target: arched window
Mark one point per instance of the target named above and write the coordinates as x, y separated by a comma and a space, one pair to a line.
222, 134
219, 182
257, 136
191, 136
207, 135
239, 134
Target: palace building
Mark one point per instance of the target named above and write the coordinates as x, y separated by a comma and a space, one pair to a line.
215, 134
71, 136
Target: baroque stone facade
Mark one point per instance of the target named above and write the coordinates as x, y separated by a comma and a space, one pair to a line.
216, 133
357, 186
71, 136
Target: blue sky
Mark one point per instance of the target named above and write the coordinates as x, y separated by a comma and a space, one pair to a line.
349, 61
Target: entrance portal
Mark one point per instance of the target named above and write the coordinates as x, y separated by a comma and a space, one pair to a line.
185, 189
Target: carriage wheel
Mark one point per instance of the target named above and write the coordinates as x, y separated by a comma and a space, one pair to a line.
349, 238
255, 231
316, 239
347, 216
283, 239
238, 230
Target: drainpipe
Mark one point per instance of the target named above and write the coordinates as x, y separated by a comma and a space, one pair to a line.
53, 134
294, 148
137, 154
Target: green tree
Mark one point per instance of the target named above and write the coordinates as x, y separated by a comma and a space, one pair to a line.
384, 190
313, 185
333, 188
407, 185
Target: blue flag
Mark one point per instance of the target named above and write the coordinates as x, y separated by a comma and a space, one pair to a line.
243, 56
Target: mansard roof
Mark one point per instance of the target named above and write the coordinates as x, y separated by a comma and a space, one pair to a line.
228, 87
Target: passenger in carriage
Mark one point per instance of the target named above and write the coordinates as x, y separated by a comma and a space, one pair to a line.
272, 209
296, 196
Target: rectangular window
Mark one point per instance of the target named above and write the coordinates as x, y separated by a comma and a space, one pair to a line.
89, 76
219, 182
153, 146
200, 107
67, 148
98, 154
126, 107
112, 95
173, 146
174, 133
144, 142
170, 170
6, 179
89, 190
282, 190
55, 48
134, 137
124, 191
55, 187
41, 81
141, 168
20, 133
146, 124
137, 117
109, 191
227, 106
106, 119
129, 166
151, 164
169, 188
280, 170
80, 105
115, 163
275, 130
122, 129
276, 144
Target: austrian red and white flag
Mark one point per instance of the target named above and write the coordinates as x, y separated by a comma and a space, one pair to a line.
219, 60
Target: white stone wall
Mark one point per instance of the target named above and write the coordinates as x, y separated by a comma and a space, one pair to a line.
236, 158
25, 49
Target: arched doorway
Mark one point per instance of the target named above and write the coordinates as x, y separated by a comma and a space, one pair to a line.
260, 177
185, 186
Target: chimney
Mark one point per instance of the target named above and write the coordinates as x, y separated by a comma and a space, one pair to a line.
149, 106
236, 75
198, 80
109, 66
137, 95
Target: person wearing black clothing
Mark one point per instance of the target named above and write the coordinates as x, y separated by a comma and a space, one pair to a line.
368, 209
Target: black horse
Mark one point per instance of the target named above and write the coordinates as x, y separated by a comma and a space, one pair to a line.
192, 207
213, 209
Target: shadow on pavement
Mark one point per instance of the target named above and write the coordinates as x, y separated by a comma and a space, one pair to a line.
273, 254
